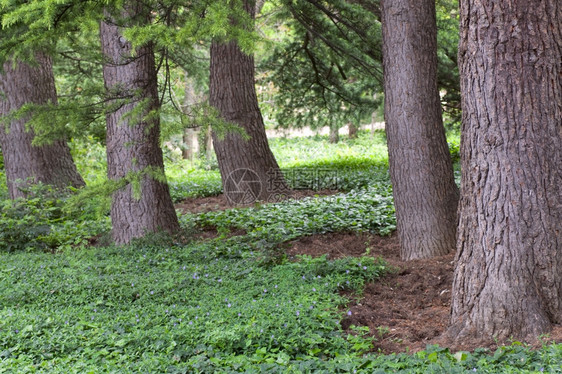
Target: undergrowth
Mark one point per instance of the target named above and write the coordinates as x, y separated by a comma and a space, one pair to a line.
230, 304
153, 309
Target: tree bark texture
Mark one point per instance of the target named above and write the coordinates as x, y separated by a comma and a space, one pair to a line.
425, 194
190, 137
133, 134
248, 168
24, 163
508, 277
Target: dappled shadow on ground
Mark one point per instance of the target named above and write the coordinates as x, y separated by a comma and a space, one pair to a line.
406, 309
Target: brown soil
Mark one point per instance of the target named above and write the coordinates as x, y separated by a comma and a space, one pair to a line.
408, 308
212, 203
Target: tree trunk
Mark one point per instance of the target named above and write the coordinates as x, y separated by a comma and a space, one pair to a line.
248, 168
189, 134
24, 163
352, 130
133, 149
508, 278
425, 194
334, 136
189, 140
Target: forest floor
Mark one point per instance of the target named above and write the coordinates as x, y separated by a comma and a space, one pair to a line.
405, 310
408, 308
219, 202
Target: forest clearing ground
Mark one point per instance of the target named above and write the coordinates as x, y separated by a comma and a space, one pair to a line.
408, 308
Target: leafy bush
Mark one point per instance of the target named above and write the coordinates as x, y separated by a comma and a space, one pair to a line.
38, 222
454, 149
195, 183
3, 186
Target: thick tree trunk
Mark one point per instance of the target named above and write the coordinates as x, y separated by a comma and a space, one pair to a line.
248, 168
24, 163
425, 194
133, 135
508, 279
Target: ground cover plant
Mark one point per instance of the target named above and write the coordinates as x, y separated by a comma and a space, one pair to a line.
151, 307
308, 163
231, 303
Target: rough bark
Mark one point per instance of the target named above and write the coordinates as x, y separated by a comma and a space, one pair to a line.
133, 135
24, 163
508, 278
248, 168
425, 194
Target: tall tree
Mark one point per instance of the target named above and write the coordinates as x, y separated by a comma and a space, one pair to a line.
134, 155
425, 194
25, 163
508, 278
248, 168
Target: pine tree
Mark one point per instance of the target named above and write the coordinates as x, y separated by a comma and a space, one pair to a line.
425, 194
508, 283
24, 84
143, 204
248, 168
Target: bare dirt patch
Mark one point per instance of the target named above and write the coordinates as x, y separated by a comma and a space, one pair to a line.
405, 310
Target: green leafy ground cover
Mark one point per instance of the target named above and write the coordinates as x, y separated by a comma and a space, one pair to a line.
231, 304
308, 163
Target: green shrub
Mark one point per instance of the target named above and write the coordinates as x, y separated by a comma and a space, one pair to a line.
454, 149
38, 222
